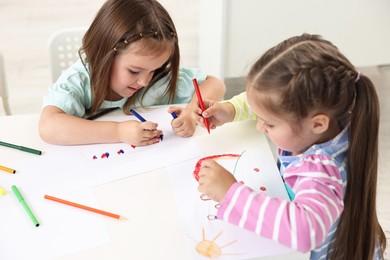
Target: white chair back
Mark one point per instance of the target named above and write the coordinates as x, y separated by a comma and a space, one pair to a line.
63, 49
3, 87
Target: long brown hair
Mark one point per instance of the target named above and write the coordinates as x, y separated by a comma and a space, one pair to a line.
309, 74
119, 23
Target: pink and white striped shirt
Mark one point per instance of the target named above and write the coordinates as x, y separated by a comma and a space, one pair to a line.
301, 224
318, 179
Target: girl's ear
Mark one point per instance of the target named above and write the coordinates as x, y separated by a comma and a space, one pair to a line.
320, 123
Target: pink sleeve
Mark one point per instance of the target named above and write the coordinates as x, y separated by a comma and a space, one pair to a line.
302, 224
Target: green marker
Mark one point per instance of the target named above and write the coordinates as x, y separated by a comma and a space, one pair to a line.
25, 206
21, 148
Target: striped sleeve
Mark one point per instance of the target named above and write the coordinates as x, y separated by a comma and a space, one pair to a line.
302, 224
242, 108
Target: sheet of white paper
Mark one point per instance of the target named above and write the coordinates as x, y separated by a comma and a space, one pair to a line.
255, 167
63, 229
71, 168
64, 171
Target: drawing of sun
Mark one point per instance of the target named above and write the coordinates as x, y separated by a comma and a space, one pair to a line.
209, 248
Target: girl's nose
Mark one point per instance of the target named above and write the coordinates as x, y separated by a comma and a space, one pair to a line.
142, 82
143, 79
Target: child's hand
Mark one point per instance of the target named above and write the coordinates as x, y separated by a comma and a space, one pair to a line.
217, 113
214, 180
184, 125
139, 133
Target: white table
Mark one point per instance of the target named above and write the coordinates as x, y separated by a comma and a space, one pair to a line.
153, 229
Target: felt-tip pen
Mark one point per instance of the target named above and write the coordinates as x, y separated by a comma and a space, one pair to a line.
140, 118
22, 148
24, 204
174, 115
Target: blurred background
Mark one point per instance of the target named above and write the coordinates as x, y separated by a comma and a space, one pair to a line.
223, 37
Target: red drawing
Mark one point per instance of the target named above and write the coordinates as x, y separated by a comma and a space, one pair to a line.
256, 169
216, 157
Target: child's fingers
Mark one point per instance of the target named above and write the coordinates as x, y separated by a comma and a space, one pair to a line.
197, 116
209, 112
176, 123
175, 110
150, 134
148, 125
208, 163
149, 142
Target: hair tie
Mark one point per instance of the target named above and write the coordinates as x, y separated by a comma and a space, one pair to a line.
357, 77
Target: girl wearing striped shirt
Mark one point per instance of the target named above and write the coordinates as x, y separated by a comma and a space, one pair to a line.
324, 117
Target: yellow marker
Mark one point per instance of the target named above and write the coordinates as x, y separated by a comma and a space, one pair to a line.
6, 169
2, 191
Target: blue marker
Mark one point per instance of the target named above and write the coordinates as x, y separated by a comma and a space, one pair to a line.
140, 118
174, 115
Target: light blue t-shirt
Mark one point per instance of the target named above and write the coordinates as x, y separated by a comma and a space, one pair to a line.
72, 91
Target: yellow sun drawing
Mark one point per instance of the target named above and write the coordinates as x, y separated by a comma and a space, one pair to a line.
209, 248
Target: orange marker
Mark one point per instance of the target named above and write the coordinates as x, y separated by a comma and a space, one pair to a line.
84, 207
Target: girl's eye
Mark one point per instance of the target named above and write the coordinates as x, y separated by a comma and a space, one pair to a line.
265, 124
133, 72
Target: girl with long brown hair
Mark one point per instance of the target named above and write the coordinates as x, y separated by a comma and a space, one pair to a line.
129, 58
324, 117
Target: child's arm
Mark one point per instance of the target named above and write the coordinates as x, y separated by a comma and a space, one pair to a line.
57, 127
212, 88
302, 224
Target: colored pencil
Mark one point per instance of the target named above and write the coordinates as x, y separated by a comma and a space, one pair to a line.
73, 204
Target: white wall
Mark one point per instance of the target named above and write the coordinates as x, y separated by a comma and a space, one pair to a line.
212, 36
360, 28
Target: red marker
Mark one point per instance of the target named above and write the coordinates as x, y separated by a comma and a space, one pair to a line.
206, 122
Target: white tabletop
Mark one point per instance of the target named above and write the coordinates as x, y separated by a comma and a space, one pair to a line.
152, 229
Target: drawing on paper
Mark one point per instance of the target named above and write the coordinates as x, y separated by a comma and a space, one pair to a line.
107, 154
245, 172
210, 248
221, 240
213, 157
233, 171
